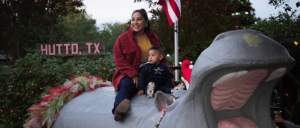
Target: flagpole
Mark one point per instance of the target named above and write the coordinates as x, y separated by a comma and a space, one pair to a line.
176, 49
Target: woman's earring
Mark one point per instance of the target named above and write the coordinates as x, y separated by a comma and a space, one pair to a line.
146, 26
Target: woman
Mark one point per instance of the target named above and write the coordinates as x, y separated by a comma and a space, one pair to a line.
131, 49
295, 117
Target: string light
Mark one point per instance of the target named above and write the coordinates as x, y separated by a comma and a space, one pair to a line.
236, 26
242, 2
158, 123
246, 13
244, 28
178, 47
296, 43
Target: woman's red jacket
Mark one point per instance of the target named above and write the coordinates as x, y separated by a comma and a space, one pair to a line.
128, 55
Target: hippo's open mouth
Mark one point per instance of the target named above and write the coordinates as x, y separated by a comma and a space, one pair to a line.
233, 90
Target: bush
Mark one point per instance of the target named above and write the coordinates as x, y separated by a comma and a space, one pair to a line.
23, 83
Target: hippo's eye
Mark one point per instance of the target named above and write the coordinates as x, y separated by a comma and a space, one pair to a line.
229, 77
276, 74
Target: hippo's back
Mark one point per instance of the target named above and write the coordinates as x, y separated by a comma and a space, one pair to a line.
94, 110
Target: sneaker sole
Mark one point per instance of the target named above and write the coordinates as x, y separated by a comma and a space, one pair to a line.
150, 90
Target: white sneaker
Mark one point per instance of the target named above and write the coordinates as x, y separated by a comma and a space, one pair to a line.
180, 86
150, 89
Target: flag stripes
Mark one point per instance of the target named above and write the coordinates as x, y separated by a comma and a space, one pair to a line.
172, 9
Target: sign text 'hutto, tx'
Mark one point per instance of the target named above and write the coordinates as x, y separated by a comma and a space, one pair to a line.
72, 49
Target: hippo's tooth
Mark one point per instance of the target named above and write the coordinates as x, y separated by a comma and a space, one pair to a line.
276, 74
229, 77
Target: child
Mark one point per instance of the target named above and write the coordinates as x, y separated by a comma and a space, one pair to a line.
156, 75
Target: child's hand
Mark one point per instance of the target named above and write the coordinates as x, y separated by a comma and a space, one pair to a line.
140, 92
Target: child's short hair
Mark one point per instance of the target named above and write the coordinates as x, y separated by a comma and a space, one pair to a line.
158, 48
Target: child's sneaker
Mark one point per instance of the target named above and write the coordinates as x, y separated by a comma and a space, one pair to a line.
150, 89
180, 86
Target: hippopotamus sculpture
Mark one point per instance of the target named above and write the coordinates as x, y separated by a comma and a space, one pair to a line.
230, 87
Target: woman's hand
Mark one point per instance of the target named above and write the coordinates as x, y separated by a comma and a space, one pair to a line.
136, 80
140, 92
279, 120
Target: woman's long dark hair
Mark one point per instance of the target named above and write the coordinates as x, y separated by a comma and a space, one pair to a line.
295, 117
144, 14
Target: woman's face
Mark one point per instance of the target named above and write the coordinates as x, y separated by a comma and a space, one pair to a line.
138, 22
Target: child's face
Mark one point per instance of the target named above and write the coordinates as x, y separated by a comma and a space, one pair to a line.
154, 57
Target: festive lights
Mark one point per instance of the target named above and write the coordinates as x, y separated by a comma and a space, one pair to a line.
158, 123
296, 43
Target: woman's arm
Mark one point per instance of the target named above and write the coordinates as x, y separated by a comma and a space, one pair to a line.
121, 63
289, 124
